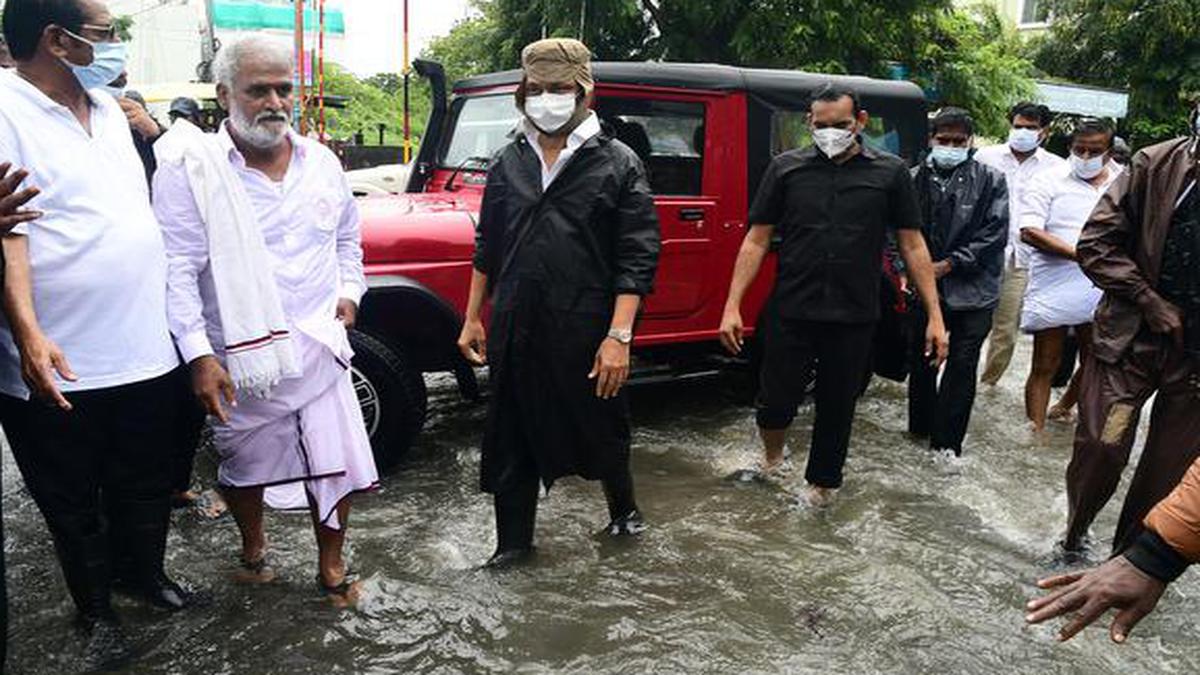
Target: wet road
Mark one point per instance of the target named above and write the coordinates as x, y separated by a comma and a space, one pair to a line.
920, 567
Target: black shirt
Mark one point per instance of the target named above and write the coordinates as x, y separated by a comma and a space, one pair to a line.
834, 219
1179, 280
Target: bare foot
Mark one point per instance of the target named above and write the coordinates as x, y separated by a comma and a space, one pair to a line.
819, 497
775, 469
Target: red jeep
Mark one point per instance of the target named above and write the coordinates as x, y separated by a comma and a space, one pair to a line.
705, 133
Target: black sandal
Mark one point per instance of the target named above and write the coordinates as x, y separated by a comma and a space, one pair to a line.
342, 589
254, 572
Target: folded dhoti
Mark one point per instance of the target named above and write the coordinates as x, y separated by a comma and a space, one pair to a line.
306, 443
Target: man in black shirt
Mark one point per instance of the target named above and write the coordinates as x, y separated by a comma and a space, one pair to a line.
964, 216
834, 204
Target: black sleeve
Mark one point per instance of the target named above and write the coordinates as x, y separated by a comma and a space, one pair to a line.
906, 214
992, 234
638, 239
489, 231
1152, 555
767, 208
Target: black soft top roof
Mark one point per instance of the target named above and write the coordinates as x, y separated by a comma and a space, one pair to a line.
781, 86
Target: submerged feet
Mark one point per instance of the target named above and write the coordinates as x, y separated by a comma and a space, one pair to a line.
163, 592
342, 588
254, 570
108, 646
818, 497
629, 525
503, 559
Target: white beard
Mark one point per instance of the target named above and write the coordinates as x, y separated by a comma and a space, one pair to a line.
256, 132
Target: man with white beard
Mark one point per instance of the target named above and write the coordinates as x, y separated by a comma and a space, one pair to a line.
265, 276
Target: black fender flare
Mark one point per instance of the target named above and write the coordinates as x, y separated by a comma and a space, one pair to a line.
402, 311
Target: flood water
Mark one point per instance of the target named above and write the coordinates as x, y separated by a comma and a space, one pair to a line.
919, 567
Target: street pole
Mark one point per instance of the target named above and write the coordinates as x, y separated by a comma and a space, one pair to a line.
406, 70
321, 71
208, 48
299, 107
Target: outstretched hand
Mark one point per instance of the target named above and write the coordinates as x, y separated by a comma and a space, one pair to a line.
1116, 584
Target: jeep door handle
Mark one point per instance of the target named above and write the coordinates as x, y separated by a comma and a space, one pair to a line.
688, 215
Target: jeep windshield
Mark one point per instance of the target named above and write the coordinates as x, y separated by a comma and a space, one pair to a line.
479, 127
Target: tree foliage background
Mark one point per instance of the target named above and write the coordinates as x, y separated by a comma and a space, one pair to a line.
373, 101
1150, 47
962, 56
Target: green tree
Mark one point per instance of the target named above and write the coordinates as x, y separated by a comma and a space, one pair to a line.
973, 58
969, 57
1150, 47
370, 102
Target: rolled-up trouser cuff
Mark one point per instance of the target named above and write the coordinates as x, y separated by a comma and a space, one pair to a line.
1152, 555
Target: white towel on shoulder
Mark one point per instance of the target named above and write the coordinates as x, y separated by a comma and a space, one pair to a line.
258, 349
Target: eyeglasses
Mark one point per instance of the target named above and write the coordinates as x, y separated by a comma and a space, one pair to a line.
107, 32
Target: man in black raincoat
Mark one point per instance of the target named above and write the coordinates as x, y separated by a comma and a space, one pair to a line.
566, 247
964, 217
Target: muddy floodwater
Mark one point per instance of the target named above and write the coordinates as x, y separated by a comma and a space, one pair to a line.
920, 567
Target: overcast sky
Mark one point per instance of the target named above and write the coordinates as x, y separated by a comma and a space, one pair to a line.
376, 26
431, 18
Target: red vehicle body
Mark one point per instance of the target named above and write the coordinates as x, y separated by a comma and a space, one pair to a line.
705, 133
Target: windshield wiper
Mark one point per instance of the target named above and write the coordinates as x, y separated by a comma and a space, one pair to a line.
482, 163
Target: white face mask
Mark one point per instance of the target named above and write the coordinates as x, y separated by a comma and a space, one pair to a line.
550, 112
1087, 169
832, 141
1023, 140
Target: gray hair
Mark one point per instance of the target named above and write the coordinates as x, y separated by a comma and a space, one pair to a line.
229, 59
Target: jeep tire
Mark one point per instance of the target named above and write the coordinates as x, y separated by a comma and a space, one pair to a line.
392, 396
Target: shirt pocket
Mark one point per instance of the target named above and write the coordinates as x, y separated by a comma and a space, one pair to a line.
324, 211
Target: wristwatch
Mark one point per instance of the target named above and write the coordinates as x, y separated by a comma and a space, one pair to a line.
622, 335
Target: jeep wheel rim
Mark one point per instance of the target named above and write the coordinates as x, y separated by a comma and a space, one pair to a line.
368, 400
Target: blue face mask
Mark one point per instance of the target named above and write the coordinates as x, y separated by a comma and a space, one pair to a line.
1024, 140
947, 157
108, 62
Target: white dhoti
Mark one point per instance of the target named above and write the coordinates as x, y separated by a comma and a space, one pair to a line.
306, 443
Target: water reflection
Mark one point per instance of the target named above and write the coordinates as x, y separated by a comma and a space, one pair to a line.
920, 567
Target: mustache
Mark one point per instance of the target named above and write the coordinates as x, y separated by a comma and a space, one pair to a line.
273, 116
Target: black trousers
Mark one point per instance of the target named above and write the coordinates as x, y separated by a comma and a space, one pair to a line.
943, 412
842, 353
187, 436
516, 506
112, 454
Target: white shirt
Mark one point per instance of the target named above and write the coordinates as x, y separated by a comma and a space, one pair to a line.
98, 264
1019, 176
589, 127
310, 225
1059, 294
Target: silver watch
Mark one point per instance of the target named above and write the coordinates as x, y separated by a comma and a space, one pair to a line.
622, 335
